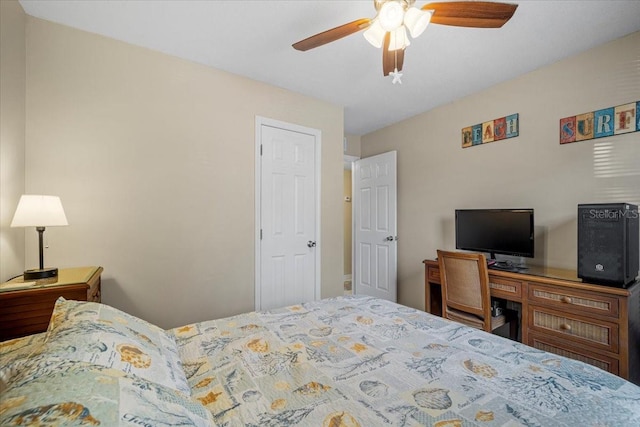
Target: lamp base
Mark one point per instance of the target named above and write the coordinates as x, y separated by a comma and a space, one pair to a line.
40, 273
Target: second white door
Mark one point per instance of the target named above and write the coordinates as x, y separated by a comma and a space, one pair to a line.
375, 228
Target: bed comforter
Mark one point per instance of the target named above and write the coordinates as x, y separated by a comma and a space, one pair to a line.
348, 361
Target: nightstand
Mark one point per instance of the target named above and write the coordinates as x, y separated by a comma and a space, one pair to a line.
26, 307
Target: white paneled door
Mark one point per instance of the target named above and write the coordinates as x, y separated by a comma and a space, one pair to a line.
287, 250
375, 228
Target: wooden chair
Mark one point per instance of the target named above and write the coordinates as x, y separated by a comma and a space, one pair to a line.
465, 292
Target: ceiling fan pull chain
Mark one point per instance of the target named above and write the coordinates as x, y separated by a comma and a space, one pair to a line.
397, 76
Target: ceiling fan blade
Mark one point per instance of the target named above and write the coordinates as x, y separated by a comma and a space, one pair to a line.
478, 14
332, 34
391, 59
400, 59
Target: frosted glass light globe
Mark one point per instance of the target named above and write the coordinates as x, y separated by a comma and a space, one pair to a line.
391, 15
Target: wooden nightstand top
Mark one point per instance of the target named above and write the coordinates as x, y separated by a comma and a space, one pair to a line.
66, 276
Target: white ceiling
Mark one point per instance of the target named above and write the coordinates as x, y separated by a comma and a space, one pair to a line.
253, 39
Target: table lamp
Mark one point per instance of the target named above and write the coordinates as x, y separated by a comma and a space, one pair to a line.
39, 212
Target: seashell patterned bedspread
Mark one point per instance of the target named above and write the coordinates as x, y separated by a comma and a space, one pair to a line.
360, 361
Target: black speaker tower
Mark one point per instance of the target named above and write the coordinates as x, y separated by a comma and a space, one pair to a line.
608, 243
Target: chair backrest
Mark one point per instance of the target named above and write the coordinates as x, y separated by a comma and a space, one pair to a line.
465, 288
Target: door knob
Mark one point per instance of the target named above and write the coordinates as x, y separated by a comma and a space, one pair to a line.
311, 244
390, 238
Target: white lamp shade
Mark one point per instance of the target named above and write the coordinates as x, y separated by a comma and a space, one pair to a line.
391, 15
416, 20
39, 211
399, 39
375, 34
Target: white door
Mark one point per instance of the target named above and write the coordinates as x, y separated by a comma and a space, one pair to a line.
287, 247
375, 228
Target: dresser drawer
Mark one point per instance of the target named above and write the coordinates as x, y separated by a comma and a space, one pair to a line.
594, 333
505, 288
29, 312
560, 347
433, 274
574, 300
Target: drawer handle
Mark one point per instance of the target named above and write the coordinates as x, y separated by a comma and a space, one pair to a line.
565, 327
566, 300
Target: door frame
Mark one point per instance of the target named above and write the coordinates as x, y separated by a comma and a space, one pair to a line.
349, 164
317, 134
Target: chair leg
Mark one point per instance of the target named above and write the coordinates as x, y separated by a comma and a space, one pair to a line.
513, 328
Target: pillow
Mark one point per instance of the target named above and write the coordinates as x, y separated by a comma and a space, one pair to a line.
54, 391
102, 335
14, 353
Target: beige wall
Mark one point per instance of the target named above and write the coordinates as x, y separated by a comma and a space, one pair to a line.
353, 145
12, 139
153, 158
436, 176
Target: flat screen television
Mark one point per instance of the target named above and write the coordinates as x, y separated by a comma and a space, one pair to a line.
496, 231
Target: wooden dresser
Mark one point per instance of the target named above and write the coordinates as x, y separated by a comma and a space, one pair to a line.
25, 308
599, 325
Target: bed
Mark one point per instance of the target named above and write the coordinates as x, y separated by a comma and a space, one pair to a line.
339, 362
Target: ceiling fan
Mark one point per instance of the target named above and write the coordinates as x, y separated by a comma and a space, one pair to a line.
389, 28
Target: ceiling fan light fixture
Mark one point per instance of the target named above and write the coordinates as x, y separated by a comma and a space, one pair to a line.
417, 20
375, 34
399, 39
391, 15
